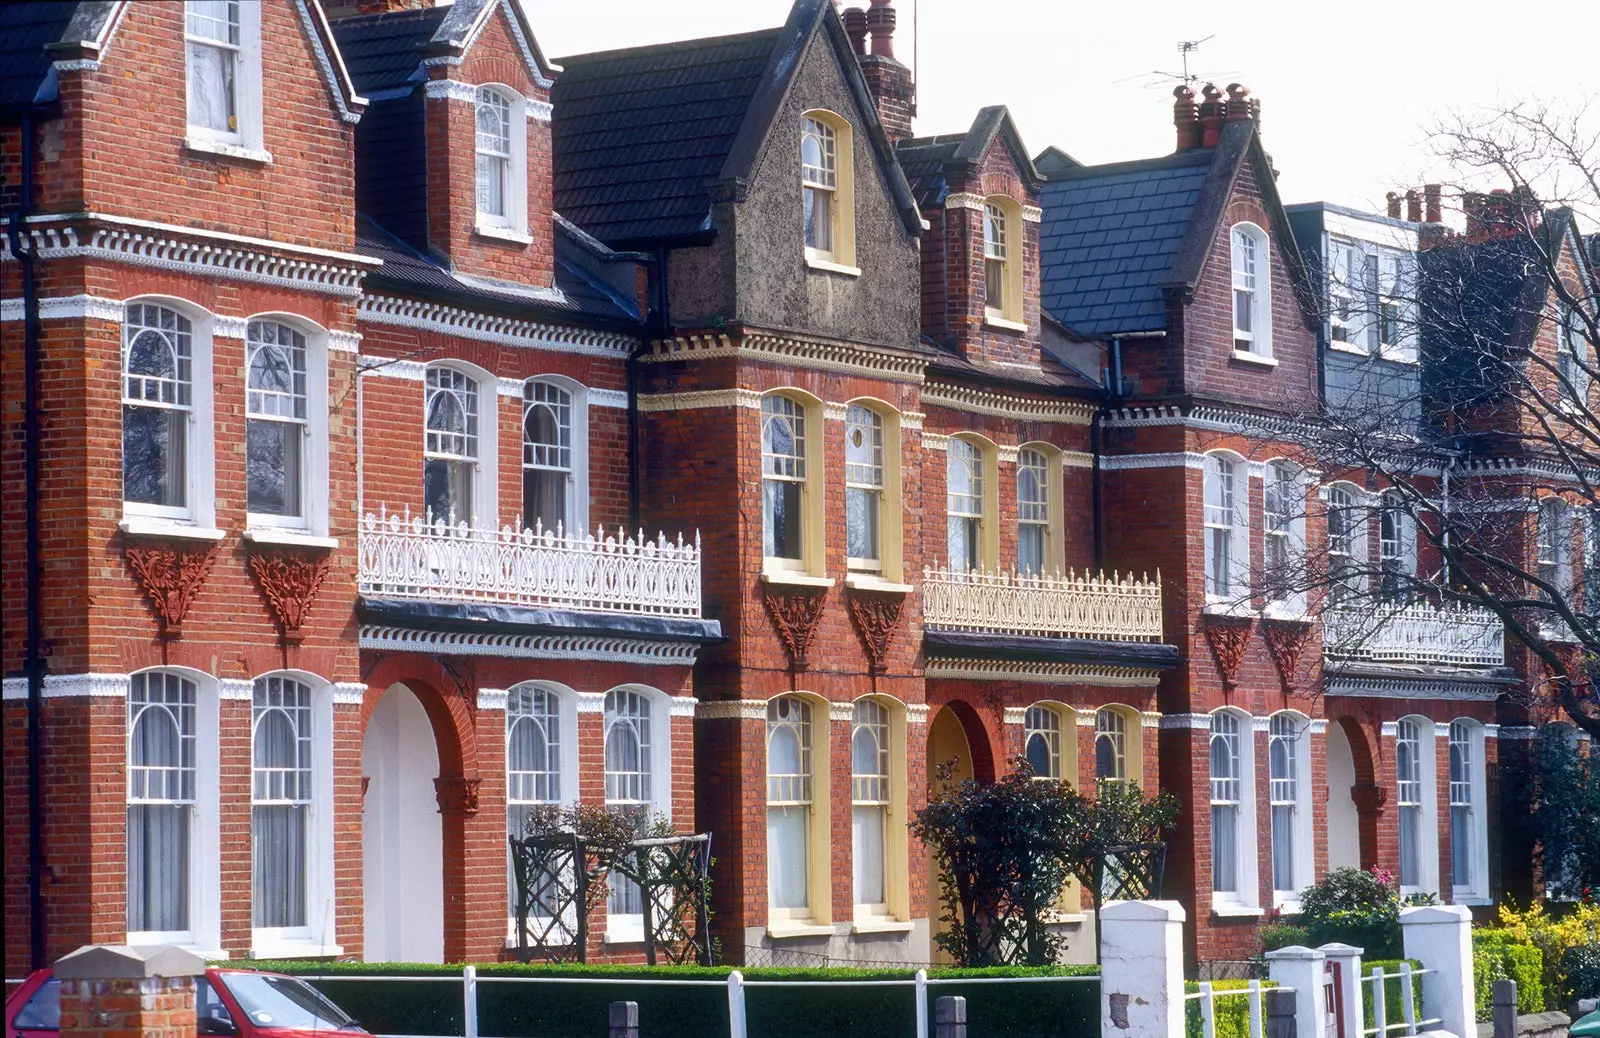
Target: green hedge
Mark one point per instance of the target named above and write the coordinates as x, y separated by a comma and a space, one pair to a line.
1393, 1010
1495, 956
1232, 1015
526, 1010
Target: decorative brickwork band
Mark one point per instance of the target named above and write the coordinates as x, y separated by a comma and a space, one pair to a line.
171, 576
877, 615
289, 579
1228, 636
457, 795
795, 612
1286, 640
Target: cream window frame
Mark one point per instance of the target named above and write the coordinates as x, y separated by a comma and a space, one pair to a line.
841, 257
819, 834
1003, 215
890, 565
1065, 730
811, 564
986, 460
896, 909
1055, 552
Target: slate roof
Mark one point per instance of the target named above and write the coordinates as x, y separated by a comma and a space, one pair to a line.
384, 51
26, 73
1111, 237
923, 159
928, 162
582, 293
638, 133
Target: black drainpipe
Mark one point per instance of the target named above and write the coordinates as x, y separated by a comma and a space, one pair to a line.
34, 664
1108, 400
659, 327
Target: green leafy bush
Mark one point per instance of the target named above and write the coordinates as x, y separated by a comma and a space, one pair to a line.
1393, 1007
1357, 907
1231, 1015
1580, 972
1496, 955
532, 1010
1282, 935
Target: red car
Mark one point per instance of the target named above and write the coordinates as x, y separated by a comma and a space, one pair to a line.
229, 1003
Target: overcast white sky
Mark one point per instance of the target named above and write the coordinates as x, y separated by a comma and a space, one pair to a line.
1346, 89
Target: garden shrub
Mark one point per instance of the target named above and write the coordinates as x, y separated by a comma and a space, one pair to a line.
1282, 935
1356, 907
1579, 970
1393, 1010
1553, 934
1231, 1015
1497, 956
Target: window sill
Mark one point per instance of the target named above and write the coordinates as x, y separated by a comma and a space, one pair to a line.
1225, 607
1064, 918
1255, 358
1347, 347
1398, 356
873, 582
625, 935
830, 267
155, 526
288, 536
509, 234
1471, 900
994, 321
1279, 611
227, 151
1236, 912
511, 943
289, 948
794, 578
880, 926
1288, 905
784, 929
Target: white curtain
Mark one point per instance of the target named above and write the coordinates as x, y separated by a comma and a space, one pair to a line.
1224, 848
158, 867
1282, 847
786, 856
1410, 844
278, 832
867, 837
211, 87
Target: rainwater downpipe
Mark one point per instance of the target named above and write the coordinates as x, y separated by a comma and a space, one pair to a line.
662, 327
1108, 400
34, 663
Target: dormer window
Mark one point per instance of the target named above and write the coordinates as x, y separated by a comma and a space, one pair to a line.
994, 258
827, 192
502, 164
223, 41
1252, 293
1002, 268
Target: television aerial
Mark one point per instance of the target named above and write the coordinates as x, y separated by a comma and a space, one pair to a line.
1161, 78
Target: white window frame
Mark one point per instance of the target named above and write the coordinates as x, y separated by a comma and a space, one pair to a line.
577, 510
1347, 542
1226, 505
565, 774
1573, 361
1347, 310
1294, 793
1393, 293
1397, 545
513, 223
485, 492
247, 139
628, 928
1250, 268
1553, 543
313, 517
1284, 522
873, 791
1240, 728
1416, 791
199, 508
317, 938
970, 507
204, 933
1470, 790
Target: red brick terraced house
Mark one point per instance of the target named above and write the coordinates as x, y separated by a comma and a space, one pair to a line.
669, 430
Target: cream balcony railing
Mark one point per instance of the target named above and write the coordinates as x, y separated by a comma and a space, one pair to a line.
1112, 608
1415, 633
408, 557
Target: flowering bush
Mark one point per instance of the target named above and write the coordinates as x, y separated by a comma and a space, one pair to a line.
1357, 907
1554, 936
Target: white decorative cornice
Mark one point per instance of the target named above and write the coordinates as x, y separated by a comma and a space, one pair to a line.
964, 200
1318, 726
935, 441
855, 358
1441, 729
1518, 732
236, 689
349, 693
1006, 455
834, 412
911, 420
442, 61
1389, 729
70, 686
508, 331
1149, 719
1086, 718
344, 342
539, 111
1193, 722
76, 65
700, 400
735, 709
1491, 731
841, 711
1260, 724
450, 90
1015, 715
1005, 405
225, 327
917, 713
143, 243
67, 308
596, 648
1077, 460
589, 702
388, 367
492, 698
1032, 214
1408, 688
607, 398
1132, 462
682, 706
1042, 672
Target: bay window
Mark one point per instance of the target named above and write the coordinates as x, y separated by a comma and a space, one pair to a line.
1227, 547
784, 476
1041, 742
1413, 755
964, 510
158, 410
789, 807
1110, 746
277, 422
1284, 537
1033, 513
1232, 810
533, 770
1463, 820
1288, 794
629, 788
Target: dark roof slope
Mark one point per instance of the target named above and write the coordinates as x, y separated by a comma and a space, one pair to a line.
928, 162
26, 73
638, 134
1111, 236
384, 51
923, 160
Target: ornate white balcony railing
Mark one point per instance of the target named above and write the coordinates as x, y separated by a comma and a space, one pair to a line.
1062, 606
1416, 633
407, 557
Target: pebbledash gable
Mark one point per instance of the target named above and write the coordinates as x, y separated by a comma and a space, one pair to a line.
673, 430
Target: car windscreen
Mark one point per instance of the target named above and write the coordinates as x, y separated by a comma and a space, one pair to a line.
43, 1010
273, 1001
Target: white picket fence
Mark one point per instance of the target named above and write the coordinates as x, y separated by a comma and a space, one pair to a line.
1208, 1006
1409, 1023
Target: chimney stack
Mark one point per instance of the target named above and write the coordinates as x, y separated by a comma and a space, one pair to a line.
888, 81
1500, 213
1393, 198
1432, 203
1186, 117
1413, 207
1211, 114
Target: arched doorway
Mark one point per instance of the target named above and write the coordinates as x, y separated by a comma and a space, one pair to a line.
1344, 823
947, 742
402, 839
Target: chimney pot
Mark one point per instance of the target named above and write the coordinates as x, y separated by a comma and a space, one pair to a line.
855, 27
1186, 117
1413, 207
1393, 199
1211, 113
1432, 203
1239, 106
881, 20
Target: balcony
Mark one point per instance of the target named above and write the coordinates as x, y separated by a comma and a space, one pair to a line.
1416, 633
408, 558
1103, 608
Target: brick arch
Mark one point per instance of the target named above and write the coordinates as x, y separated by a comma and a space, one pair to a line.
981, 738
1360, 749
1369, 794
452, 721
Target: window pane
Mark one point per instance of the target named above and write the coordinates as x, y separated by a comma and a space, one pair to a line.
1224, 849
1461, 845
867, 852
544, 500
861, 523
781, 502
787, 856
213, 78
158, 867
819, 219
1282, 848
447, 491
272, 467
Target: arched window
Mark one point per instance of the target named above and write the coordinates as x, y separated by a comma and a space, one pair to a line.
1252, 291
1397, 547
281, 796
533, 770
1347, 544
629, 779
1284, 512
1033, 513
161, 802
783, 481
864, 481
1227, 553
1227, 797
870, 799
1110, 746
1041, 742
547, 457
494, 155
819, 179
450, 451
157, 409
1555, 546
1463, 820
1285, 786
1002, 263
1408, 774
277, 422
964, 510
789, 806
